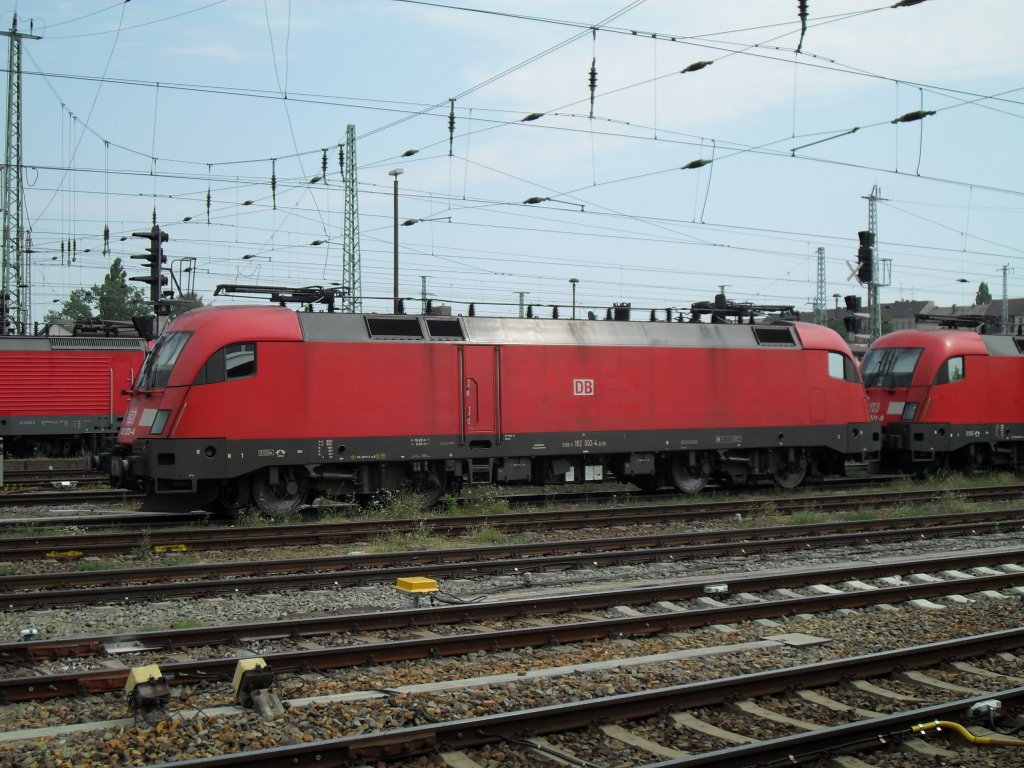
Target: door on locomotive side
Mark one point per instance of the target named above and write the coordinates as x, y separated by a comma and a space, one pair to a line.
478, 366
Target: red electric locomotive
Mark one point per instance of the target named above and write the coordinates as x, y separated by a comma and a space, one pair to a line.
63, 395
947, 398
266, 406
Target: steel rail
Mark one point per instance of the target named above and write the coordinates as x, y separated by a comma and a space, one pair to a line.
182, 673
245, 577
13, 652
16, 499
349, 530
110, 543
16, 476
474, 732
864, 735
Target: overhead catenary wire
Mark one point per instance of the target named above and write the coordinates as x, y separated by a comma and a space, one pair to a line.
163, 166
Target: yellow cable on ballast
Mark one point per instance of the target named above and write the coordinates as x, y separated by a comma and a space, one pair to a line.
990, 740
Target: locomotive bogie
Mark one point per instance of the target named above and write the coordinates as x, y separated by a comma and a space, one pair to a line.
276, 406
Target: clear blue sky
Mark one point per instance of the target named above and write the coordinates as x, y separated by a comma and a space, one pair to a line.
133, 106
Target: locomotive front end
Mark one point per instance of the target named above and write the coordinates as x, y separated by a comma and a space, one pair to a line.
196, 403
150, 411
934, 393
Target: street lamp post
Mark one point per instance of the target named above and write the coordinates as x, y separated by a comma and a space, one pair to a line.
573, 281
395, 173
835, 316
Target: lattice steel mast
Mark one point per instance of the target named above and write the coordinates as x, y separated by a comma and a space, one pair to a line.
351, 267
820, 302
881, 268
15, 270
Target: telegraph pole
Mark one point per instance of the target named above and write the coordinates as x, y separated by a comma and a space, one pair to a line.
15, 274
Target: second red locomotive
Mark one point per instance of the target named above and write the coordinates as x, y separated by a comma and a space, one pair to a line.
63, 395
947, 399
266, 406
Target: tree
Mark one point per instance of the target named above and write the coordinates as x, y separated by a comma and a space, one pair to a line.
984, 295
114, 299
77, 307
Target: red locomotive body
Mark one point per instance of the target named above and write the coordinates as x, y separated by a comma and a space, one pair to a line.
62, 395
264, 405
947, 398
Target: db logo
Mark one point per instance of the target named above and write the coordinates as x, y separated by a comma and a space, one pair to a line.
582, 387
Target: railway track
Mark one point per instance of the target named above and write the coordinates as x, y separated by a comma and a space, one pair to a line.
831, 495
523, 727
707, 706
68, 495
128, 584
548, 634
48, 476
746, 608
352, 531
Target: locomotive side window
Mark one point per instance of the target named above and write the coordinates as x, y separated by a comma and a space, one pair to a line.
890, 366
951, 370
157, 368
835, 365
842, 367
235, 361
239, 361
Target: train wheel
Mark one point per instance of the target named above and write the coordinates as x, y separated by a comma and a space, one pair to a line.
280, 497
431, 496
430, 491
646, 483
687, 477
233, 496
790, 474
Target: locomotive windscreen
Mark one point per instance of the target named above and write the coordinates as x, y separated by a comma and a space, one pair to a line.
890, 366
157, 368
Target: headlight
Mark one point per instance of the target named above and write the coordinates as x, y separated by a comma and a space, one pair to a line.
909, 411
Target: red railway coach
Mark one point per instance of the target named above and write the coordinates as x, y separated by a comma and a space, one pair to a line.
947, 398
266, 406
64, 395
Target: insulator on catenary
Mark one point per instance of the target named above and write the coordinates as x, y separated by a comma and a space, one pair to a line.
273, 183
323, 166
802, 6
451, 125
593, 84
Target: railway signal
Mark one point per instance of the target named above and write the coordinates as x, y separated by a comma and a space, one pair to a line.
866, 257
156, 258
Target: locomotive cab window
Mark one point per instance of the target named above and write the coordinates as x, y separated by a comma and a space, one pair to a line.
951, 370
842, 367
235, 361
239, 361
157, 369
890, 366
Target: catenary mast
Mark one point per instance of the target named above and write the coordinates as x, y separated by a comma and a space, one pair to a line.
350, 254
15, 270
